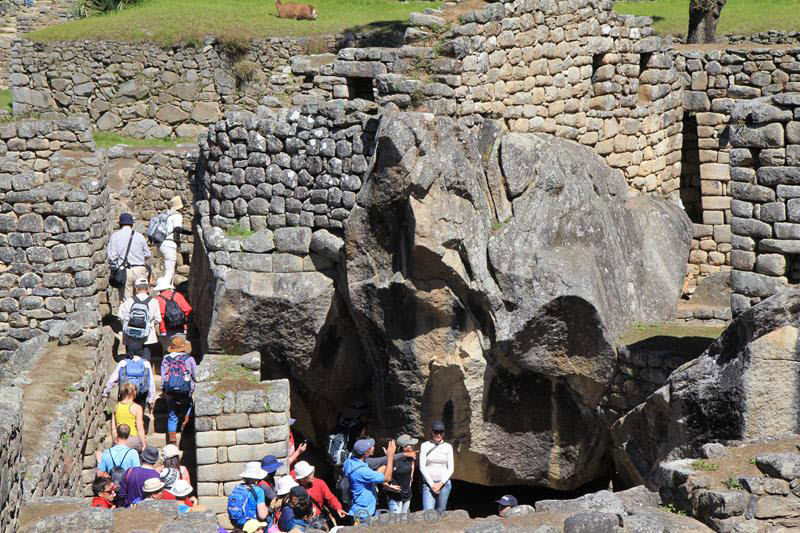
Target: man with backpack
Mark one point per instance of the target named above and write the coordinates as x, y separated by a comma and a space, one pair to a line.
138, 372
363, 480
177, 384
174, 312
114, 461
247, 500
128, 257
164, 230
140, 316
132, 484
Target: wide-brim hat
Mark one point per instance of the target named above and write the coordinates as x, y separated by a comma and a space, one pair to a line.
153, 484
175, 203
181, 488
162, 285
270, 463
302, 470
170, 450
253, 470
284, 484
150, 455
178, 344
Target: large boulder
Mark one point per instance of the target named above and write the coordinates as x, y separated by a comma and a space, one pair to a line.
298, 324
745, 386
488, 275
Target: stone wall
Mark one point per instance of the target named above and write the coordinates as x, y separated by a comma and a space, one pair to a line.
714, 81
16, 18
297, 167
573, 69
29, 144
235, 423
145, 90
765, 191
142, 181
49, 460
12, 468
53, 233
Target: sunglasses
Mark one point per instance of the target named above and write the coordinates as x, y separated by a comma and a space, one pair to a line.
438, 432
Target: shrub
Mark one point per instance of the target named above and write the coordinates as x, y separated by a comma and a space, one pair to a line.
244, 70
84, 8
235, 46
732, 483
237, 230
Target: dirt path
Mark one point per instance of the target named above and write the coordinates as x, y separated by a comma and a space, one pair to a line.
52, 380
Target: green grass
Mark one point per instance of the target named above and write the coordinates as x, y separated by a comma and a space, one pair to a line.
5, 100
238, 231
706, 466
732, 484
105, 139
740, 17
172, 21
670, 508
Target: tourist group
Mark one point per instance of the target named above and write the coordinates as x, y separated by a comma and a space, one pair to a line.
131, 470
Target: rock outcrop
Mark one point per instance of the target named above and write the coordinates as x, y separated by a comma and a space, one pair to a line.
483, 279
488, 275
745, 386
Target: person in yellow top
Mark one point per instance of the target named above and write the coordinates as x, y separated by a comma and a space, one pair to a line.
130, 413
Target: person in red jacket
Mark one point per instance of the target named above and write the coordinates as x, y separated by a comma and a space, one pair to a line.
169, 329
318, 491
104, 492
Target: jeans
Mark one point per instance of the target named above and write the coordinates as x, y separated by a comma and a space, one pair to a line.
177, 409
396, 506
435, 501
169, 251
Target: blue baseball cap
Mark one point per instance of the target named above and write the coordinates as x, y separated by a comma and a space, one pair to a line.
362, 446
126, 219
270, 463
507, 501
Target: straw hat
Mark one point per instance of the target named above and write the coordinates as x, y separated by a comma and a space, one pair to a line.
178, 344
175, 203
153, 484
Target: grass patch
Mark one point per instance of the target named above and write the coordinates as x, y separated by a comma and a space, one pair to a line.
640, 331
231, 376
237, 230
670, 508
105, 139
705, 466
740, 17
5, 100
167, 22
732, 484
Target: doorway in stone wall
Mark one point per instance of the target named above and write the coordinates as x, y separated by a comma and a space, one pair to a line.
690, 170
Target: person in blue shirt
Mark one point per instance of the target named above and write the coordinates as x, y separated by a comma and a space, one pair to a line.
363, 480
118, 455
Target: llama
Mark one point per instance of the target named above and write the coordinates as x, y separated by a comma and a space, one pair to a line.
295, 11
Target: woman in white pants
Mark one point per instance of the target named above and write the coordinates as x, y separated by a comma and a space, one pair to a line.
169, 247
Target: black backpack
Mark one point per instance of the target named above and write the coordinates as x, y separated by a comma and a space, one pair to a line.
344, 493
117, 472
174, 317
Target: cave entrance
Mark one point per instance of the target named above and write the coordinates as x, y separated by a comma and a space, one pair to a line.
690, 170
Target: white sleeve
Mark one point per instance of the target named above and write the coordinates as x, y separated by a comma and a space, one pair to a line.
450, 463
423, 459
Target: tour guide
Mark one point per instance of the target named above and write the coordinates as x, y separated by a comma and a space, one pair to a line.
363, 479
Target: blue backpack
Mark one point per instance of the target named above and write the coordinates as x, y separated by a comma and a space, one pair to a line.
177, 378
238, 511
136, 373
